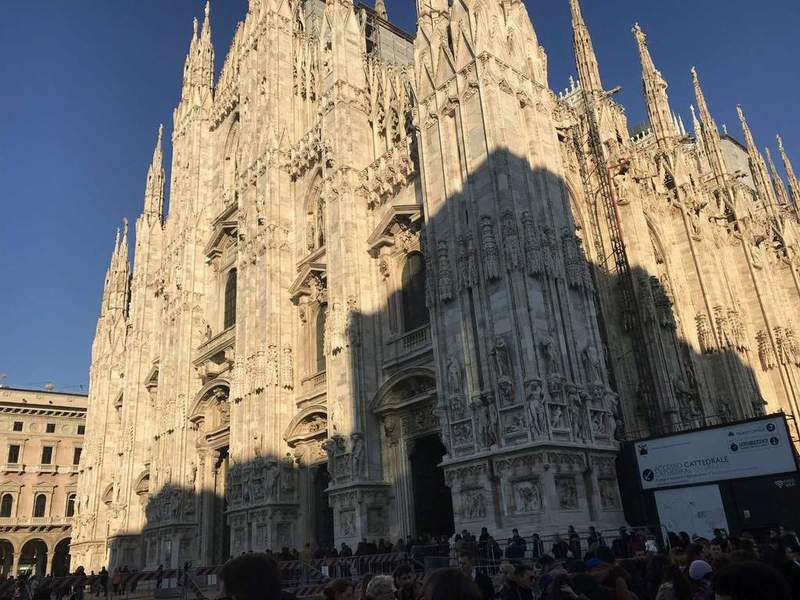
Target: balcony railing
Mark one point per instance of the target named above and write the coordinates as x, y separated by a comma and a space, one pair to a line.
14, 468
417, 340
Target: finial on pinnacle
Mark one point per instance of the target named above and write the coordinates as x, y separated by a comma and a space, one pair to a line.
160, 134
208, 8
195, 25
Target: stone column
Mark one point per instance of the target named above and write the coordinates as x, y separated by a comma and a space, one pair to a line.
400, 458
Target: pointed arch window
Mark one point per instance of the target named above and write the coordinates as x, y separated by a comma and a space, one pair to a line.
6, 505
319, 337
415, 313
39, 506
230, 300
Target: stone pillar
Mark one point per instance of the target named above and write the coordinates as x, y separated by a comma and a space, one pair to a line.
398, 467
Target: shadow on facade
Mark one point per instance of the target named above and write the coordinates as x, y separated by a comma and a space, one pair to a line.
499, 340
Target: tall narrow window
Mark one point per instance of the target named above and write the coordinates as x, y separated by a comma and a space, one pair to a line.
6, 505
47, 455
76, 455
39, 505
13, 454
69, 511
322, 317
415, 313
230, 299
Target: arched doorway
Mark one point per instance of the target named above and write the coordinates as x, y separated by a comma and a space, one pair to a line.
61, 558
6, 558
33, 558
323, 513
433, 504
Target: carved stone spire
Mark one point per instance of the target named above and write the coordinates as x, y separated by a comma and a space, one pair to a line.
794, 184
115, 290
154, 190
757, 165
198, 70
585, 58
710, 133
777, 182
655, 92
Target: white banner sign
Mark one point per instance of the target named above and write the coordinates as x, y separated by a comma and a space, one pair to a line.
741, 450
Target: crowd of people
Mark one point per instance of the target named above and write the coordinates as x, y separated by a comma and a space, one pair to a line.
633, 567
636, 565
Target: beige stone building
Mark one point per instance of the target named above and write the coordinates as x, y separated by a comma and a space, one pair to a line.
41, 439
370, 313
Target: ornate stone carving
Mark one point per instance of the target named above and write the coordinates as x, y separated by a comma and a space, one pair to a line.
287, 369
567, 491
491, 256
486, 421
473, 505
527, 496
705, 336
537, 413
765, 351
534, 259
358, 459
445, 275
511, 245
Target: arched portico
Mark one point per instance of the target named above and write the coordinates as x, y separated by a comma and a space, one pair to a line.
210, 418
406, 404
33, 557
6, 558
306, 434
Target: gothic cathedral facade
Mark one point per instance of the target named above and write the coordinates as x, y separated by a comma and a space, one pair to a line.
403, 287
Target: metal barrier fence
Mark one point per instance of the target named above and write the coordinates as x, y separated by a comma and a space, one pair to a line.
308, 578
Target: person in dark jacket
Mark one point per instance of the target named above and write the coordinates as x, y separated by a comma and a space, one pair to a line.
482, 580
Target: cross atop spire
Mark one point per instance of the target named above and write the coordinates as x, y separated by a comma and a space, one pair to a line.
585, 58
655, 91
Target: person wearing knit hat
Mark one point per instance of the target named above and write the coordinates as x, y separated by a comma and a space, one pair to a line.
700, 575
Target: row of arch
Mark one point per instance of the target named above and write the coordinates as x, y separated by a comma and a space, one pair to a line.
39, 506
35, 556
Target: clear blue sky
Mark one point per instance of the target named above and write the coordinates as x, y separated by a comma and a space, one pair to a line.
85, 84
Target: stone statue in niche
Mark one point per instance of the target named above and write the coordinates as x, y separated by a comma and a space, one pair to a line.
357, 461
533, 251
549, 358
445, 276
288, 369
501, 358
353, 324
592, 363
511, 241
558, 417
486, 420
577, 414
454, 375
329, 446
491, 257
289, 475
506, 391
537, 413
